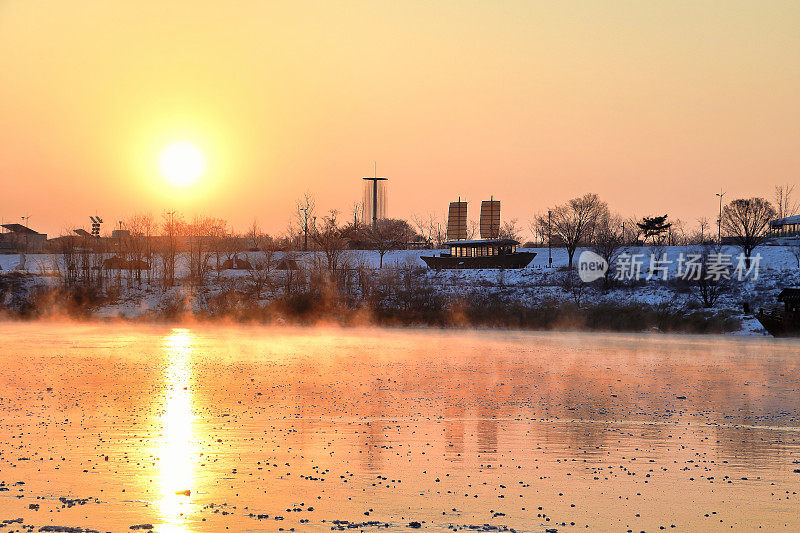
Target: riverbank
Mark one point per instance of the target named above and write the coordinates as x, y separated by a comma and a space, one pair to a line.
404, 293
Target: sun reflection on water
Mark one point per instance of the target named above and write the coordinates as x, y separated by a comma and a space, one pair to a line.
177, 453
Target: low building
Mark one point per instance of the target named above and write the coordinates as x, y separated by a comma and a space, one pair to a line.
236, 263
784, 228
120, 263
21, 238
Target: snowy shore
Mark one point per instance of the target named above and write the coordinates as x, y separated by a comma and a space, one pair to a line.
536, 286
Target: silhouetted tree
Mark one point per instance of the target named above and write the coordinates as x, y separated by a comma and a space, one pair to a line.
305, 217
608, 243
573, 222
785, 206
703, 226
430, 228
702, 271
510, 230
654, 227
388, 234
539, 229
746, 221
332, 240
172, 226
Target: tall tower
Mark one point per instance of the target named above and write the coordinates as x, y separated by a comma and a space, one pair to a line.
374, 198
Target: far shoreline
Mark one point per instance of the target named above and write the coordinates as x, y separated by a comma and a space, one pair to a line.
565, 320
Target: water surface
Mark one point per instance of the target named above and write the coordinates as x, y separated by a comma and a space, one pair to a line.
203, 428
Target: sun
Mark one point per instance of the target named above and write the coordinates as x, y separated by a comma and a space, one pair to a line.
182, 163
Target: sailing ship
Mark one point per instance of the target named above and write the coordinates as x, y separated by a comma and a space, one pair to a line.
490, 251
783, 322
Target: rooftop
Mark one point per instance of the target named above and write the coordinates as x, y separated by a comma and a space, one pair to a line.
482, 242
19, 228
785, 221
790, 295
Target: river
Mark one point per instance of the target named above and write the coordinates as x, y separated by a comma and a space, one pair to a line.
202, 428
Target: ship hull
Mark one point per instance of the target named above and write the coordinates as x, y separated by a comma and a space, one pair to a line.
778, 325
515, 260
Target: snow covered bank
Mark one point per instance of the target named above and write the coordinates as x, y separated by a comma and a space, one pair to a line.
406, 292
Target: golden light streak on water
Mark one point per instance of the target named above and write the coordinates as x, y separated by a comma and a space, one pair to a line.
177, 452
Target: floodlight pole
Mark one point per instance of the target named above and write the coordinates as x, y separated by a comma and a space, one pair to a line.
719, 219
25, 220
549, 240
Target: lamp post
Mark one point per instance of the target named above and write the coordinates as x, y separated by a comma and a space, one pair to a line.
549, 240
25, 221
719, 219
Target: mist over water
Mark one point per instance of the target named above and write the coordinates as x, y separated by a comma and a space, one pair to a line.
201, 427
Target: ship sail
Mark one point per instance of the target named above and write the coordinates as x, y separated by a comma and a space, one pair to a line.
490, 219
457, 221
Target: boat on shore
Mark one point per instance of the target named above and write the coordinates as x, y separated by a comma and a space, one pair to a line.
490, 251
480, 253
783, 321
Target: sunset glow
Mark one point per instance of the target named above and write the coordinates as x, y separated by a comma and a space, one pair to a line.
182, 164
531, 102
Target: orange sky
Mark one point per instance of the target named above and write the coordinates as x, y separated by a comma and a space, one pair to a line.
652, 105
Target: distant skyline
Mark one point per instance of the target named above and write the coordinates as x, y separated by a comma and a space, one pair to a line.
654, 106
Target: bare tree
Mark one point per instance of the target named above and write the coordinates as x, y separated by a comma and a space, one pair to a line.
631, 231
677, 233
510, 230
172, 224
332, 240
430, 228
148, 227
358, 212
137, 245
572, 223
472, 229
260, 272
703, 226
785, 206
388, 234
746, 221
252, 235
305, 216
539, 229
571, 283
201, 233
69, 259
267, 246
220, 237
794, 249
293, 276
608, 243
706, 281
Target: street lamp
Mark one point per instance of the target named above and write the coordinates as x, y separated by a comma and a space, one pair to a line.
549, 240
719, 218
25, 221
